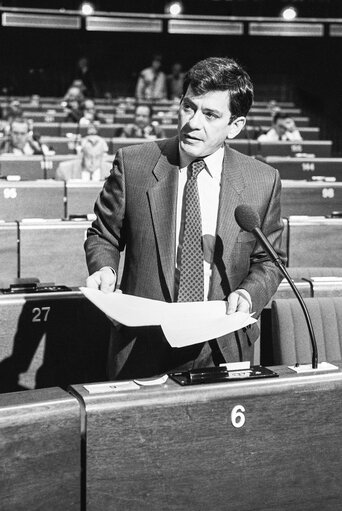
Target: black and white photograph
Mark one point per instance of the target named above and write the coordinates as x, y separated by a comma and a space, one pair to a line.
170, 255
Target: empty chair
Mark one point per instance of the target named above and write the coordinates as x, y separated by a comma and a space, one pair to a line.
291, 340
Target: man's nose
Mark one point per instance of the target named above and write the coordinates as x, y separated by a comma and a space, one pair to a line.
196, 120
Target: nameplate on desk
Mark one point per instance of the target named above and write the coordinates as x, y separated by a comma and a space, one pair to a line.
115, 386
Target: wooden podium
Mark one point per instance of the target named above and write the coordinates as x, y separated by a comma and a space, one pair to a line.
272, 444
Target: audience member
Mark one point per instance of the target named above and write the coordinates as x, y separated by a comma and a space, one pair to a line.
73, 93
151, 83
174, 81
73, 111
143, 126
283, 129
89, 114
13, 110
92, 165
20, 140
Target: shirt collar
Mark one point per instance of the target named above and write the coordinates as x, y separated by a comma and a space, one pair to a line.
213, 163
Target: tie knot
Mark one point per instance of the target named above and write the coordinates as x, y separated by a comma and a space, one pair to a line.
196, 167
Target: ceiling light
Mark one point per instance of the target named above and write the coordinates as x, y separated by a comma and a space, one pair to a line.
289, 13
87, 9
174, 8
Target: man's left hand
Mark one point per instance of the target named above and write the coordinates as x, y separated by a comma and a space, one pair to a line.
239, 301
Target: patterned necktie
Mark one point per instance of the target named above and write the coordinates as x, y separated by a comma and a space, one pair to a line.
191, 280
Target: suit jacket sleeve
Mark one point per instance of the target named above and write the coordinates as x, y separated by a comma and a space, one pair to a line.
264, 276
106, 236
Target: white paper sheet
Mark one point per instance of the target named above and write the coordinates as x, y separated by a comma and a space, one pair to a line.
126, 309
183, 323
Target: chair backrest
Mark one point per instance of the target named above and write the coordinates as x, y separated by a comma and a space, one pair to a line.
291, 340
312, 272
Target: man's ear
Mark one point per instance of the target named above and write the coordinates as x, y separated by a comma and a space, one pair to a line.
236, 126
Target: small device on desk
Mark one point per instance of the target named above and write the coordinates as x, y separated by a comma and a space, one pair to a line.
222, 373
27, 286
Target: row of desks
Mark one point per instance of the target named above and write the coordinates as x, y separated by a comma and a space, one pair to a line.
108, 130
129, 107
47, 101
52, 250
57, 199
320, 148
163, 117
271, 444
33, 167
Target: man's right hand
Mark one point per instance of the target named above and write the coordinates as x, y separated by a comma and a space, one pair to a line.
104, 279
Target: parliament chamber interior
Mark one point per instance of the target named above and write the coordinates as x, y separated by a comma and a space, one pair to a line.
75, 89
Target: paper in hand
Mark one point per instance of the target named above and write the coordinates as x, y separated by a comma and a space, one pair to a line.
183, 323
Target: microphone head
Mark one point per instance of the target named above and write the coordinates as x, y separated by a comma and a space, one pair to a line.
246, 217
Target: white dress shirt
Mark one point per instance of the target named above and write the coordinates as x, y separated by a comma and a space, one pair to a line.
91, 176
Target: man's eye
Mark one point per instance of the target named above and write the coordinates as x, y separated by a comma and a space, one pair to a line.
186, 107
210, 115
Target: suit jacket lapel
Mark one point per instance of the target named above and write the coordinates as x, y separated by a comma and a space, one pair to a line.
232, 185
163, 204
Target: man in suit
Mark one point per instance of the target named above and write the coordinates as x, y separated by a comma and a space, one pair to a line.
91, 166
144, 126
144, 208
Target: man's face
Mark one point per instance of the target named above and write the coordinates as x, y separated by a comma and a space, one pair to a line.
203, 123
156, 64
142, 116
19, 134
280, 127
92, 158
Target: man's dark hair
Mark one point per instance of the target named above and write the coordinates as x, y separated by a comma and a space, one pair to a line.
279, 115
222, 73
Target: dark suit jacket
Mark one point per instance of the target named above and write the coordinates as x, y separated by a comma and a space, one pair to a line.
137, 210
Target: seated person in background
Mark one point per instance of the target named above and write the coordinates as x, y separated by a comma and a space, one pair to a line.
20, 140
174, 81
74, 92
73, 111
91, 166
292, 132
283, 129
143, 126
89, 114
151, 83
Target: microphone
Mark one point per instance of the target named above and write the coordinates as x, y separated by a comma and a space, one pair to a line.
248, 220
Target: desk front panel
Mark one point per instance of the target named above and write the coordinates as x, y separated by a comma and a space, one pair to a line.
40, 451
51, 339
81, 197
270, 445
31, 199
53, 251
314, 241
306, 168
310, 198
318, 148
30, 168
